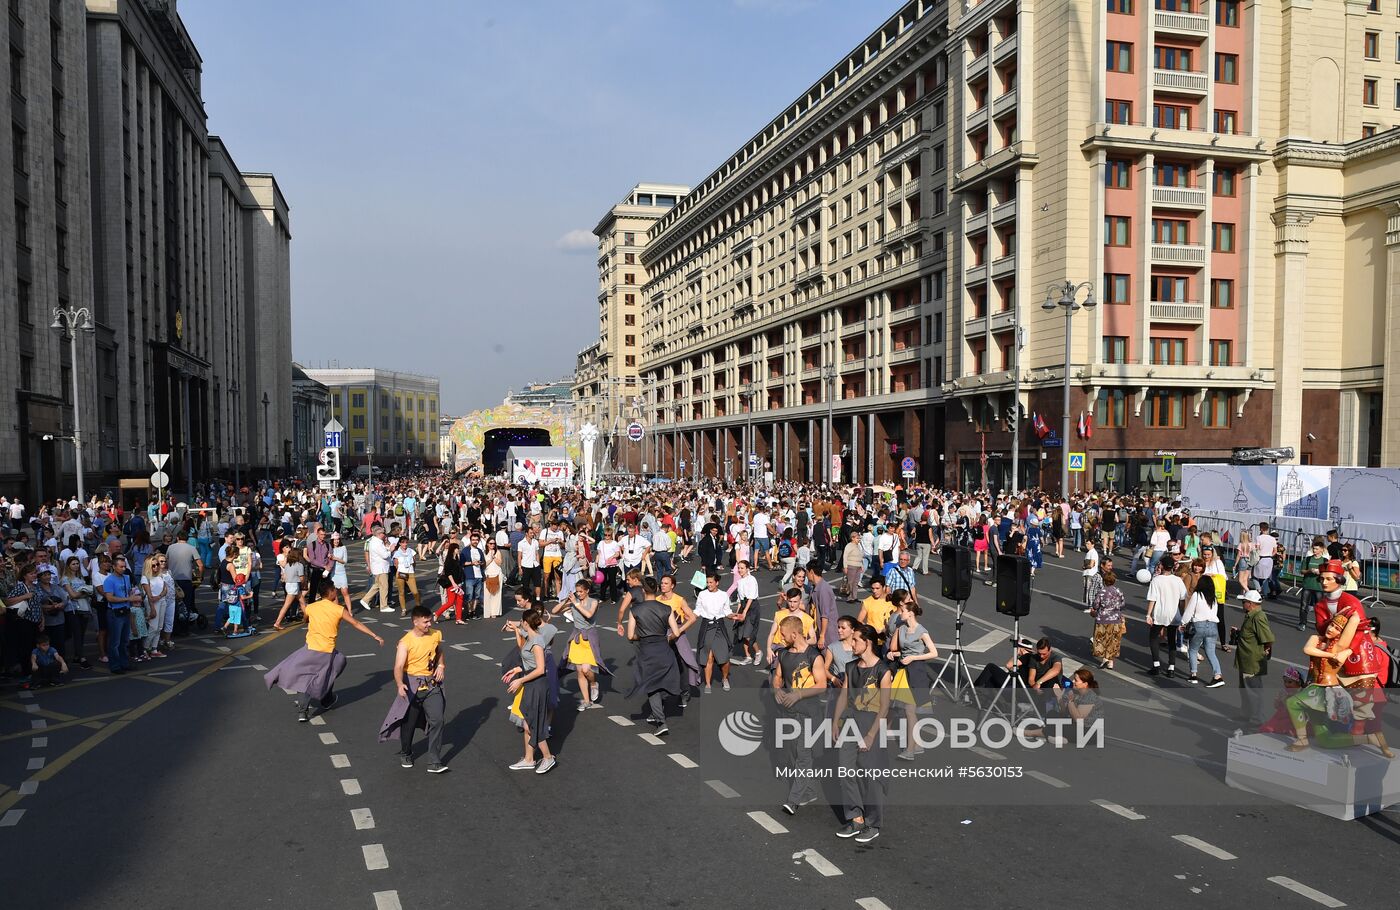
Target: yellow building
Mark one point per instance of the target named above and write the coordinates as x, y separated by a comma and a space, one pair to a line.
389, 417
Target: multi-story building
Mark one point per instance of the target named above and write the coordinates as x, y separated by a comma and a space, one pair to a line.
556, 395
1208, 168
606, 390
123, 204
797, 294
390, 418
311, 411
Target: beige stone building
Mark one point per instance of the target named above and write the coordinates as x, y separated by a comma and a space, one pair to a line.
847, 289
606, 390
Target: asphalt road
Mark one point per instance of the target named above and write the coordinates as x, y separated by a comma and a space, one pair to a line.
188, 782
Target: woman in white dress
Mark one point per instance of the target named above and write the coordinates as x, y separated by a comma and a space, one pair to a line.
491, 600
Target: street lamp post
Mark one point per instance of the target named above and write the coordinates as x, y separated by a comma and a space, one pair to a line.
1065, 296
70, 321
267, 457
237, 449
829, 381
746, 392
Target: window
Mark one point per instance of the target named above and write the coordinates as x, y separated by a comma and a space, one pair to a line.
1169, 351
629, 238
1169, 174
1170, 288
1217, 411
1227, 68
357, 400
629, 278
629, 299
629, 340
1176, 6
1120, 57
629, 258
1223, 181
1171, 116
1112, 409
1221, 352
61, 239
1226, 121
630, 360
1222, 293
357, 422
1166, 409
1115, 288
1397, 94
1171, 230
1368, 92
1227, 13
1222, 237
1371, 46
21, 225
1117, 230
1368, 130
1121, 6
1115, 349
1119, 174
1118, 111
16, 73
1171, 58
979, 361
629, 319
19, 147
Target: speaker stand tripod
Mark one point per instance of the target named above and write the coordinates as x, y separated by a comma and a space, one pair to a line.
957, 662
1013, 682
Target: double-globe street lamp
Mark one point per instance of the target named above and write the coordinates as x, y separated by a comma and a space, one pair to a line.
747, 392
71, 321
1066, 296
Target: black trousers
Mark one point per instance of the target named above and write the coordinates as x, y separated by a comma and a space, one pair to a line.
1155, 640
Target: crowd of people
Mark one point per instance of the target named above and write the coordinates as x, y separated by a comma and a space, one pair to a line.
674, 570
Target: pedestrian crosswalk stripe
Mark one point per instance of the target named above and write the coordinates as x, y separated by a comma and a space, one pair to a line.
1311, 894
651, 738
351, 786
1119, 810
375, 857
387, 900
620, 720
768, 823
681, 760
1208, 849
817, 861
363, 819
722, 789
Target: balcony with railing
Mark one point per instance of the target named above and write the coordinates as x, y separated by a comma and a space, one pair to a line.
977, 119
976, 274
1004, 104
976, 223
1178, 311
977, 66
1192, 25
1181, 81
904, 314
853, 328
903, 355
1187, 197
1003, 212
1004, 266
1179, 253
851, 364
1006, 47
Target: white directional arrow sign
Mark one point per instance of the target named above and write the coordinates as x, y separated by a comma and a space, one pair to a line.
333, 426
159, 460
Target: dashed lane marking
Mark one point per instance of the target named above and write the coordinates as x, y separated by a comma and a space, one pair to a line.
872, 903
26, 694
340, 760
817, 861
31, 709
353, 656
224, 648
1311, 894
722, 789
374, 857
36, 763
329, 739
351, 786
260, 667
651, 738
458, 647
318, 721
11, 818
484, 657
1208, 849
363, 819
387, 900
620, 720
41, 724
767, 823
681, 760
39, 742
1119, 810
167, 673
1047, 779
29, 788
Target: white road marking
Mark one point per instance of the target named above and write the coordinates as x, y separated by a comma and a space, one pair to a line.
722, 789
620, 720
328, 739
1047, 779
36, 763
11, 818
484, 657
39, 742
237, 667
374, 856
387, 900
241, 657
1312, 894
987, 641
651, 738
287, 691
817, 861
987, 753
225, 648
363, 819
26, 694
39, 724
255, 667
1208, 849
1119, 810
340, 760
318, 721
29, 788
353, 656
473, 642
169, 673
767, 823
458, 647
351, 786
872, 903
392, 625
32, 709
681, 760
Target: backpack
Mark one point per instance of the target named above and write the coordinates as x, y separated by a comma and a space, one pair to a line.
784, 548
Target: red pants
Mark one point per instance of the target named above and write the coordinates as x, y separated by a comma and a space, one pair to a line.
450, 598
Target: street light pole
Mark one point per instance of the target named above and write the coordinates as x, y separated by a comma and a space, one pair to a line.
237, 449
829, 380
1068, 293
267, 457
71, 321
747, 393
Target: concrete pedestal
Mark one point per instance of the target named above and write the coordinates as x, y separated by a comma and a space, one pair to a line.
1339, 783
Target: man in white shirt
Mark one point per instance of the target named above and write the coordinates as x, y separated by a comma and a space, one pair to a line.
1164, 598
528, 553
378, 554
761, 541
634, 550
1266, 548
661, 549
713, 645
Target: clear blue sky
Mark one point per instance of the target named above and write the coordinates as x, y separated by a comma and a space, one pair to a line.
435, 152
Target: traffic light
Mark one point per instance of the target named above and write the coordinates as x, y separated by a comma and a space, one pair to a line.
328, 465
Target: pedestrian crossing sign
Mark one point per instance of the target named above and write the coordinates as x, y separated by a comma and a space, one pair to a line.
1076, 461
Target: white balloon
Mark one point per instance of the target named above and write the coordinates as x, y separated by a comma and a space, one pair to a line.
1144, 576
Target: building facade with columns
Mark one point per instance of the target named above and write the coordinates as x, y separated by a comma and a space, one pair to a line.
391, 418
794, 313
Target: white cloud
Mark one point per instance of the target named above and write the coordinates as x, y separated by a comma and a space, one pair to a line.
577, 241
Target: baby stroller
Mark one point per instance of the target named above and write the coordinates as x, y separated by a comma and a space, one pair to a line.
188, 618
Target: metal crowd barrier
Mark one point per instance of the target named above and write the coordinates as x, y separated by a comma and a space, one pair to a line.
1377, 569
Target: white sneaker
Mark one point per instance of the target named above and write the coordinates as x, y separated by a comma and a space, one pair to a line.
385, 609
365, 604
593, 692
523, 765
725, 684
546, 765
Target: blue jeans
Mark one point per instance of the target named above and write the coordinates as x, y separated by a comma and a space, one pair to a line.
471, 590
118, 637
661, 562
1156, 558
1205, 634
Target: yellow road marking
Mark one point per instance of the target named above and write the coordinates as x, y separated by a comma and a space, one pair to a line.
48, 715
52, 769
76, 722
